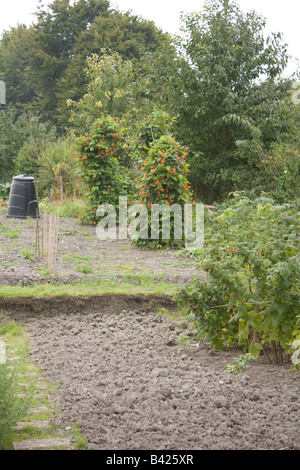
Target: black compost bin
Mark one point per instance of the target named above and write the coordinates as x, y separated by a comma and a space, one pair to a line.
22, 201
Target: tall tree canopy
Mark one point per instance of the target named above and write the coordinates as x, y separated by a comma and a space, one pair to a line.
51, 55
230, 89
15, 57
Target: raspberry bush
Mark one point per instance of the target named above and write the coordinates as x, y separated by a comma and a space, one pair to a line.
252, 297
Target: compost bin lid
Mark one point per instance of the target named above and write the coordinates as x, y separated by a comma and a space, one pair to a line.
23, 178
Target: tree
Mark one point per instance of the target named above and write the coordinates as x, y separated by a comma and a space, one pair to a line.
110, 90
54, 38
15, 53
43, 65
15, 132
230, 88
123, 33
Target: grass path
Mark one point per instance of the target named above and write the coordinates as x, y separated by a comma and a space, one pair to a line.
37, 428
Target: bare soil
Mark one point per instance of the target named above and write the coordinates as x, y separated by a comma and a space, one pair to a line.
115, 358
81, 256
121, 378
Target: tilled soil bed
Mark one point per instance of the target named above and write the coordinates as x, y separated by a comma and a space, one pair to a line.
121, 378
80, 256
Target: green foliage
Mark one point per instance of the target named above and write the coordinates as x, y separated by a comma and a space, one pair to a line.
4, 191
82, 263
26, 161
69, 209
252, 298
221, 78
29, 155
43, 65
50, 160
27, 254
12, 408
159, 78
150, 129
282, 172
21, 139
110, 90
162, 175
15, 57
125, 34
81, 442
296, 353
228, 97
98, 165
184, 342
56, 167
240, 363
52, 46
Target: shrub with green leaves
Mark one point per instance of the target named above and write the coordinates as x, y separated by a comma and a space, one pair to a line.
56, 167
150, 129
282, 172
98, 165
4, 191
252, 296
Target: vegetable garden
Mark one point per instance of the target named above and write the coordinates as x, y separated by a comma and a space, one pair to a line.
152, 345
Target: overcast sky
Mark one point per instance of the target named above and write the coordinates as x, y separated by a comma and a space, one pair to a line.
281, 15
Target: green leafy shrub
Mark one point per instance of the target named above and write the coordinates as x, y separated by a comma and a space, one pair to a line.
57, 169
99, 167
150, 129
252, 297
17, 131
282, 171
4, 191
240, 364
69, 209
29, 155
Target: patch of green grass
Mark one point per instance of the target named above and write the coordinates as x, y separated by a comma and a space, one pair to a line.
33, 432
15, 398
10, 330
9, 232
25, 378
3, 228
68, 209
87, 235
67, 232
116, 286
129, 268
82, 263
81, 442
46, 272
178, 316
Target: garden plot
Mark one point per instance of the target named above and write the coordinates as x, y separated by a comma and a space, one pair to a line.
122, 380
80, 256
